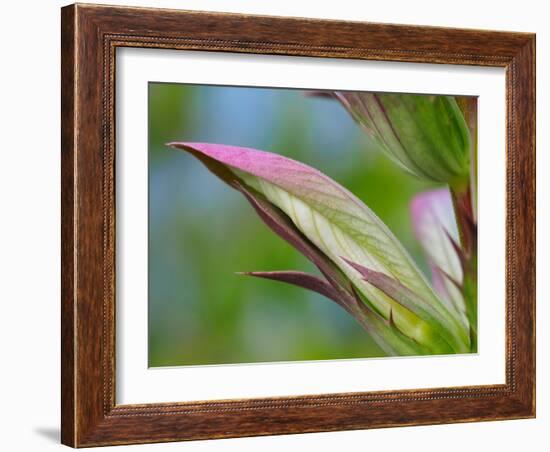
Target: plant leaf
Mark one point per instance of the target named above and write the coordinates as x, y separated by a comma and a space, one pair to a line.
386, 336
281, 224
425, 134
304, 280
395, 290
408, 299
338, 224
391, 340
468, 106
435, 228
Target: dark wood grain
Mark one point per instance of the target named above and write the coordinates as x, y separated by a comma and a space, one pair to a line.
68, 310
90, 36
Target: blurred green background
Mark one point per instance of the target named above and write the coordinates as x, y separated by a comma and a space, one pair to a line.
201, 232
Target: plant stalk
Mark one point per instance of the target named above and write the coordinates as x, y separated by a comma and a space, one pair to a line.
467, 230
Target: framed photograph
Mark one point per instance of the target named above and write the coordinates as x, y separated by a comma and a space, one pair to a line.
282, 225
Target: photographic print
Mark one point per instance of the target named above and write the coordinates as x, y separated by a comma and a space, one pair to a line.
270, 225
295, 225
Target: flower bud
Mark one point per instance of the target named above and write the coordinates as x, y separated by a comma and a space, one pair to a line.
425, 134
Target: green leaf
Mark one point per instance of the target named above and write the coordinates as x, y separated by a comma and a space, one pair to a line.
425, 134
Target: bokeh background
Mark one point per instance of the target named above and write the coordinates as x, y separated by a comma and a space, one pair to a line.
201, 232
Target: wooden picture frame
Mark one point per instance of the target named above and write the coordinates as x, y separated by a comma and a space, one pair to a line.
90, 36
